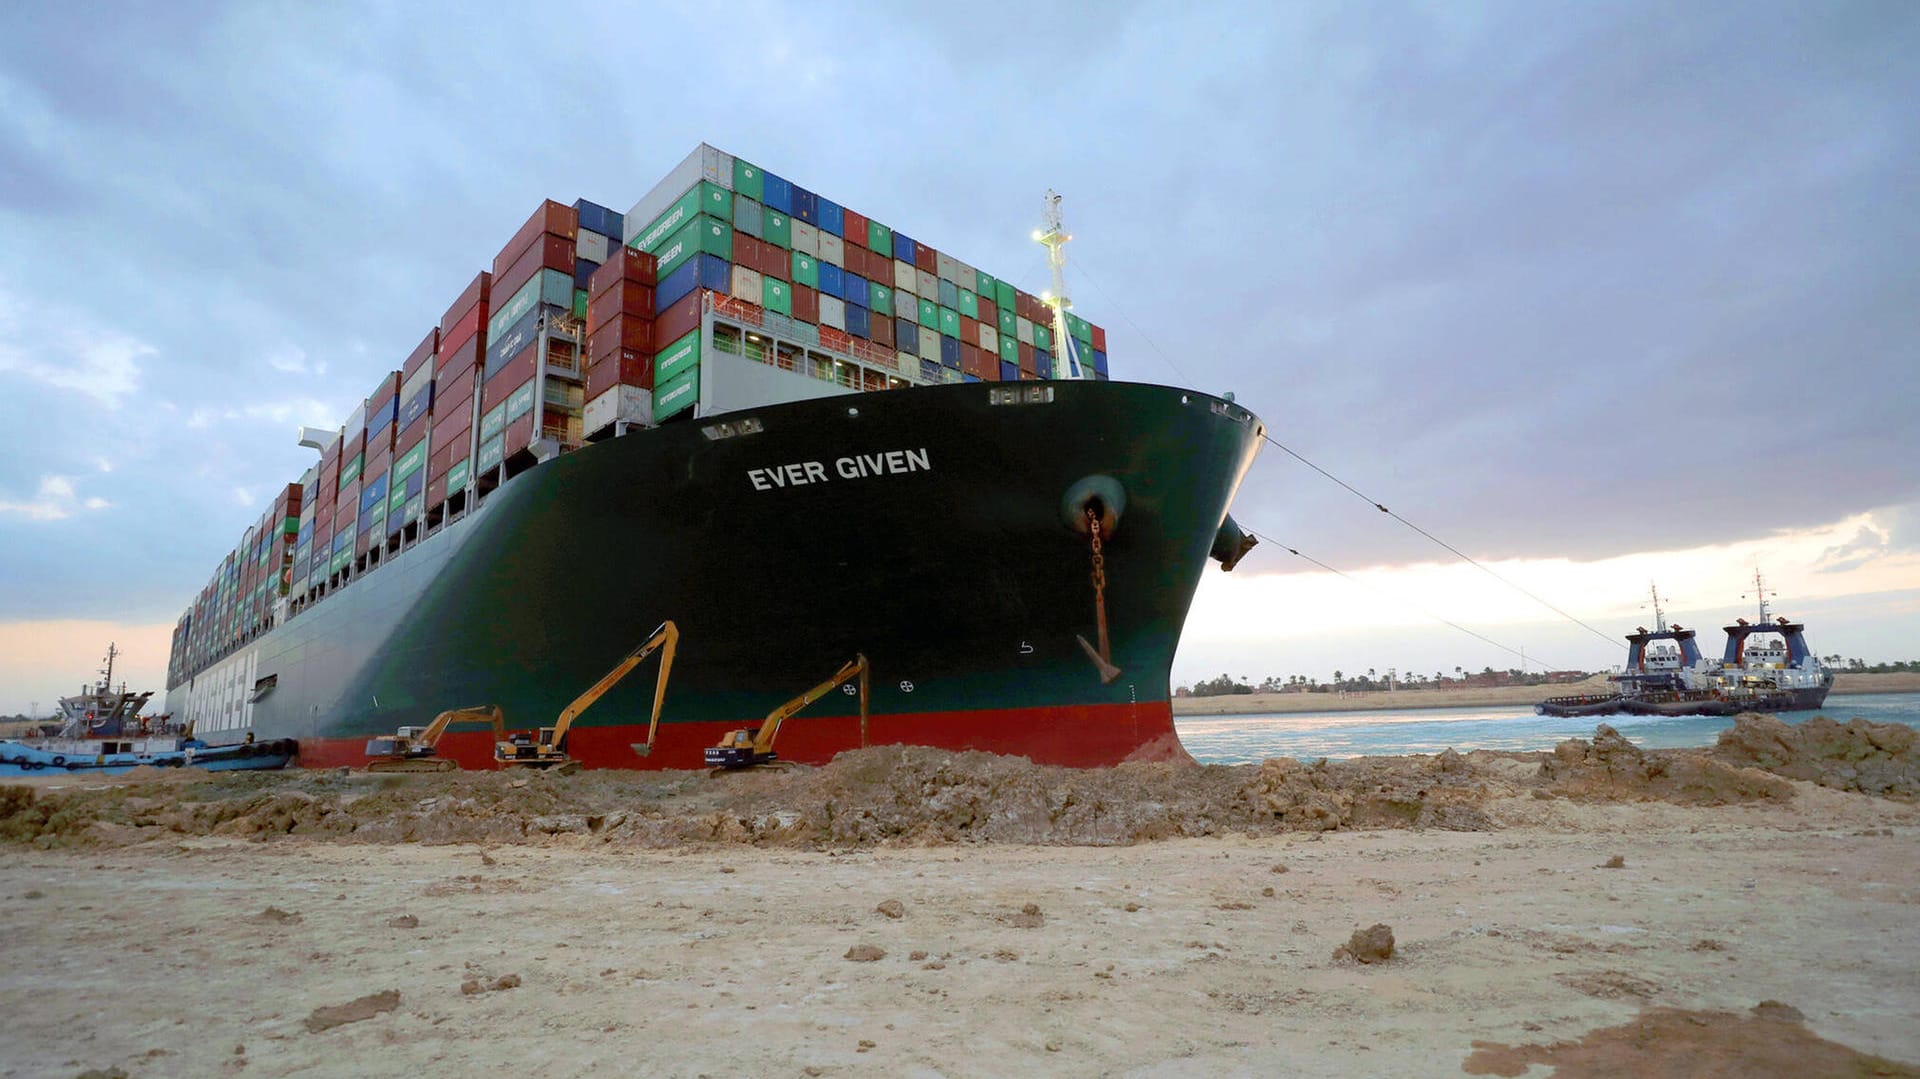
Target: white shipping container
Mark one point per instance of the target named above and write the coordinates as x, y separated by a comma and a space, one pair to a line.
590, 246
417, 383
833, 312
908, 362
903, 278
989, 338
832, 251
629, 403
806, 239
704, 163
929, 344
945, 268
1023, 329
963, 275
746, 285
927, 285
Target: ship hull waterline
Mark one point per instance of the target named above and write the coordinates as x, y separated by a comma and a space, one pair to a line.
927, 529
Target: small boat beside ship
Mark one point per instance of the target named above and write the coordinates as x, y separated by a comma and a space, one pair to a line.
102, 732
1766, 667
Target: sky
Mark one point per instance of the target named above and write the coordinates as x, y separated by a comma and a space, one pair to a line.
1599, 294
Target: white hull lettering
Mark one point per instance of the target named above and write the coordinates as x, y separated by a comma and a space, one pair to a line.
855, 467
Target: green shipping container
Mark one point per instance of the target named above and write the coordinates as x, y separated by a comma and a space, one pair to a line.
520, 402
983, 284
457, 475
949, 322
491, 452
409, 463
702, 198
969, 303
703, 233
1009, 322
493, 421
682, 355
1080, 328
776, 228
805, 270
677, 394
553, 287
880, 299
776, 295
350, 471
1042, 337
746, 179
580, 303
1009, 349
879, 238
1003, 295
929, 314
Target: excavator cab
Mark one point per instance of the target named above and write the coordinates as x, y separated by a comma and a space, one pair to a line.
412, 749
750, 747
548, 749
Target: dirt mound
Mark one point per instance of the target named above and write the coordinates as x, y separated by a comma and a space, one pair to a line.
1612, 769
1872, 758
1673, 1043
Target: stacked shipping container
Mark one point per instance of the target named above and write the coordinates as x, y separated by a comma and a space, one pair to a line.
589, 319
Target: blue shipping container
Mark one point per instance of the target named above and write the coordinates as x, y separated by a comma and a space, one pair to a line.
833, 280
969, 378
1100, 361
859, 322
906, 334
806, 206
775, 193
1042, 360
1009, 372
417, 406
378, 421
597, 218
517, 338
716, 273
701, 271
949, 294
930, 371
853, 289
950, 351
903, 248
832, 218
372, 494
582, 270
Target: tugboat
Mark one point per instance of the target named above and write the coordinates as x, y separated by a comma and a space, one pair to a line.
1666, 675
102, 732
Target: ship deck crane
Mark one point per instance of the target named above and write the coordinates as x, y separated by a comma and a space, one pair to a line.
752, 746
548, 748
411, 749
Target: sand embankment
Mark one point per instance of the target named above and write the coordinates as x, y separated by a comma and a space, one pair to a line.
1491, 697
910, 912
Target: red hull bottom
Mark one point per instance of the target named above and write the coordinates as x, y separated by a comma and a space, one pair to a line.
1078, 736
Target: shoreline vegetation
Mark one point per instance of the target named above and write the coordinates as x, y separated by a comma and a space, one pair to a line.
1407, 700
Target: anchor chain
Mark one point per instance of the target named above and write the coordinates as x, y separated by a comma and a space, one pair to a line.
1103, 657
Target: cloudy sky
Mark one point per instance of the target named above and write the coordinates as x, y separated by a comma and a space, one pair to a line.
1598, 293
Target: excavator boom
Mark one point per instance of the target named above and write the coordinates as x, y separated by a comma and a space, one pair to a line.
409, 750
746, 748
549, 748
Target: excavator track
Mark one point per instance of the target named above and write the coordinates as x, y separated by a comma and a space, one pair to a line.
430, 764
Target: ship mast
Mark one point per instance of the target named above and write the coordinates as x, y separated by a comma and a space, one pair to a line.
1659, 616
1055, 237
106, 675
1760, 592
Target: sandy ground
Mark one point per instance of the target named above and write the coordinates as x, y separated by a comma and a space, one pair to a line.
1496, 696
1182, 957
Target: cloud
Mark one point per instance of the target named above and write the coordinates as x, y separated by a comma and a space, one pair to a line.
54, 500
68, 352
1866, 545
293, 360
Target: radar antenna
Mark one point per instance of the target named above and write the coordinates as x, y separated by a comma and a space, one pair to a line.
1762, 593
1066, 359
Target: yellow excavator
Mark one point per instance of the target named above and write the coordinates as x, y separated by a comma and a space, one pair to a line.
548, 748
749, 747
411, 749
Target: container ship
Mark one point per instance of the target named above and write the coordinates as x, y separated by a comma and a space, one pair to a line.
795, 432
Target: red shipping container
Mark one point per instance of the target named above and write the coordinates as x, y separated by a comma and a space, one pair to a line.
679, 318
626, 264
1099, 341
806, 303
876, 267
625, 367
775, 261
422, 352
436, 490
969, 331
1026, 357
621, 298
880, 330
926, 258
551, 219
464, 355
415, 432
854, 228
519, 434
361, 543
445, 454
473, 296
549, 253
837, 340
511, 374
626, 332
970, 360
386, 391
453, 390
454, 429
989, 314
